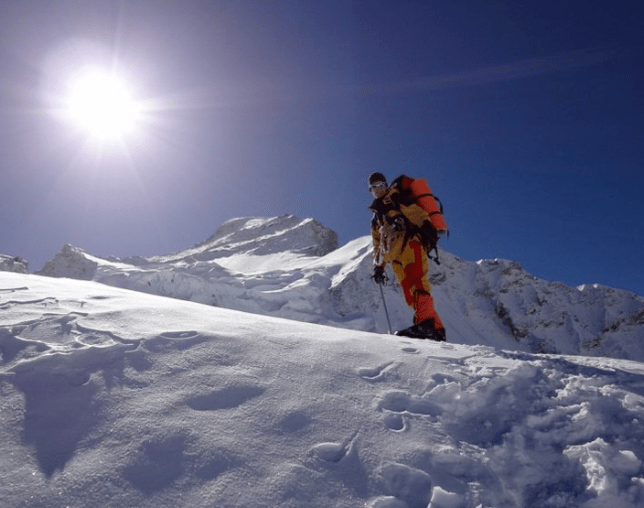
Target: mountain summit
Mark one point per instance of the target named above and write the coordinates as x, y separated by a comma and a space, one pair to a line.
292, 268
261, 236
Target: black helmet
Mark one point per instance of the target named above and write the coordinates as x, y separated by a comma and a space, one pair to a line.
376, 177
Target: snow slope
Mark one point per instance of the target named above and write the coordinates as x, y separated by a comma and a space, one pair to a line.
291, 268
115, 398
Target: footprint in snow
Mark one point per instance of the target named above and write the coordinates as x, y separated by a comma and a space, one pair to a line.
294, 422
96, 339
180, 341
406, 486
226, 398
330, 452
395, 422
179, 335
398, 404
333, 452
376, 373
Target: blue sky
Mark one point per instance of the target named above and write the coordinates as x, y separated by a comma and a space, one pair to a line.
526, 118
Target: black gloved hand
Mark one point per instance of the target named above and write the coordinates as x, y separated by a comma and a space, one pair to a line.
398, 224
379, 275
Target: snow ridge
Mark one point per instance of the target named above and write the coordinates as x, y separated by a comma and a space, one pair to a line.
292, 268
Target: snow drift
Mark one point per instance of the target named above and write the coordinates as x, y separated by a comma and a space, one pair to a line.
291, 268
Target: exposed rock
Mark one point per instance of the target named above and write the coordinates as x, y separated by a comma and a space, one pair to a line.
13, 264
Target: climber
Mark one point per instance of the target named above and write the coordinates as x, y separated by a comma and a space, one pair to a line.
402, 234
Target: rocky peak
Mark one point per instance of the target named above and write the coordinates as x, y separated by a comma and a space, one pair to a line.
13, 264
70, 262
264, 235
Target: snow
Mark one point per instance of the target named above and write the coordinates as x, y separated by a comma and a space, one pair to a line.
252, 370
292, 268
117, 398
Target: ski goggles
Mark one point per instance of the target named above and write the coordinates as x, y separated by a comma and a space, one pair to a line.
377, 185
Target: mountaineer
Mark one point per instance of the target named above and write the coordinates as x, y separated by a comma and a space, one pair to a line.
403, 235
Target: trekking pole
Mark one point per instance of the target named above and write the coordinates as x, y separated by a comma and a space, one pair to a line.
384, 304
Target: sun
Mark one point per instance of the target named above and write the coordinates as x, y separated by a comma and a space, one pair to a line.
101, 104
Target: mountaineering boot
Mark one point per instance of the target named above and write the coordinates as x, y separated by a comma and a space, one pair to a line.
412, 331
424, 330
439, 335
424, 310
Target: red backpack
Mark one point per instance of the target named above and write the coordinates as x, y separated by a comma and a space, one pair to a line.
417, 191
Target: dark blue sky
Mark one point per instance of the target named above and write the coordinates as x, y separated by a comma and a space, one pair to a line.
526, 118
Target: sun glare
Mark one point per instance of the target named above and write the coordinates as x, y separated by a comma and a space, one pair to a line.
102, 105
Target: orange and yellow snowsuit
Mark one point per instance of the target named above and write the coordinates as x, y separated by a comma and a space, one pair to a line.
395, 229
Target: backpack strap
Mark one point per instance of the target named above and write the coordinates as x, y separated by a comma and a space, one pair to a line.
402, 184
405, 197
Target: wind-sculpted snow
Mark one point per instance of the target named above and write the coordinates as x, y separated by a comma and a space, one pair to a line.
291, 268
115, 398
